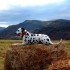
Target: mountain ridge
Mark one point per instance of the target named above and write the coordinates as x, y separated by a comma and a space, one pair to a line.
56, 29
1, 28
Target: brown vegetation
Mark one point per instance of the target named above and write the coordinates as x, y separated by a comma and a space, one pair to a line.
37, 57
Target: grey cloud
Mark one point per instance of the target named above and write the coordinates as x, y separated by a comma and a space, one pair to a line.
19, 14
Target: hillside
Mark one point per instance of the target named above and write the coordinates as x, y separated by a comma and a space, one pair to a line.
1, 28
56, 29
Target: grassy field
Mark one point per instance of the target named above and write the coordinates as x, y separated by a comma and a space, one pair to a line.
5, 44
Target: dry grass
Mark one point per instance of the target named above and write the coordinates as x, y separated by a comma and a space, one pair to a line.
5, 44
67, 44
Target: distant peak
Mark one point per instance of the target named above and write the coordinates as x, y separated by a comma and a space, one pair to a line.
61, 20
32, 21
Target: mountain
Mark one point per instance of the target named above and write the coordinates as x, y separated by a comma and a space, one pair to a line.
1, 28
56, 29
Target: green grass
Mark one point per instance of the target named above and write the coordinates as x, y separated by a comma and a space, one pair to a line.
5, 44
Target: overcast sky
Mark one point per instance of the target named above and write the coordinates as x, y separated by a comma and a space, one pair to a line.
15, 11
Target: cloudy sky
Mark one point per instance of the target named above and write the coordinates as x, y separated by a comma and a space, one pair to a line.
15, 11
